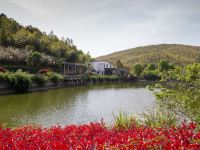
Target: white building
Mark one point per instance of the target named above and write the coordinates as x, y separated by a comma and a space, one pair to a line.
99, 67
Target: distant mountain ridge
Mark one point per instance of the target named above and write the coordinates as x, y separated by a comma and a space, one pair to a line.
174, 53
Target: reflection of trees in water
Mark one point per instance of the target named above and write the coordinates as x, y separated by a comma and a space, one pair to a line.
16, 107
119, 85
183, 99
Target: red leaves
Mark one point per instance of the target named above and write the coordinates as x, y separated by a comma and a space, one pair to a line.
96, 136
2, 69
43, 71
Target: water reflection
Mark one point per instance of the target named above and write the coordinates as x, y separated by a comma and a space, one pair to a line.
75, 104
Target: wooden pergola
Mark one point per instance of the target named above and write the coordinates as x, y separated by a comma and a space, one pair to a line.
74, 70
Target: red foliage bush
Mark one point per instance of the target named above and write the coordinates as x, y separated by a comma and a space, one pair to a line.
96, 136
43, 71
2, 69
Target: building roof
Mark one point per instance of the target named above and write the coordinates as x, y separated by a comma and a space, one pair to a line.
101, 62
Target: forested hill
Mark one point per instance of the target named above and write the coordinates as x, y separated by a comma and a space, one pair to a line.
174, 53
28, 45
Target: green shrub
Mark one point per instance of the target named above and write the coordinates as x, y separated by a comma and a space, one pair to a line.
20, 81
94, 78
54, 77
5, 77
123, 121
151, 75
138, 69
86, 77
39, 79
100, 78
154, 118
160, 118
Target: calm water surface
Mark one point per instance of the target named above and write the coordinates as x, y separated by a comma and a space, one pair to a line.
75, 104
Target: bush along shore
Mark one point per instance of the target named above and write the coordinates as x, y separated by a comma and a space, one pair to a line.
21, 81
126, 133
163, 71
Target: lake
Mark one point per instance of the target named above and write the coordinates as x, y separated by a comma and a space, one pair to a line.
75, 105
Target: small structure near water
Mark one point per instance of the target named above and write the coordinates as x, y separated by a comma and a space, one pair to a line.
73, 73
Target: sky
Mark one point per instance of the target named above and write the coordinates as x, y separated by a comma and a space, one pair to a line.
105, 26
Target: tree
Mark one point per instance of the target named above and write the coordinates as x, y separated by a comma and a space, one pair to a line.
164, 65
138, 69
20, 38
35, 59
34, 40
45, 44
150, 67
119, 64
58, 48
192, 72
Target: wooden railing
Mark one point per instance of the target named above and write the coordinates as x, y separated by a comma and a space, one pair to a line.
74, 70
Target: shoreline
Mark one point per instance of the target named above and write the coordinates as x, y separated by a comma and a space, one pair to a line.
50, 85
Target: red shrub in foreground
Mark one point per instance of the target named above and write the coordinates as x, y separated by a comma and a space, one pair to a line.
96, 136
43, 71
2, 69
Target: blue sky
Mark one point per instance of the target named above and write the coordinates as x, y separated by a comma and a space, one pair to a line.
105, 26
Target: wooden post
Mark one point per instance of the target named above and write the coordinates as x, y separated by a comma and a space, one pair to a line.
67, 70
75, 69
64, 70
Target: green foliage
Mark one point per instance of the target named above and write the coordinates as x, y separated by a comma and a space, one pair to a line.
138, 69
174, 53
54, 77
150, 67
39, 79
189, 73
20, 38
193, 72
160, 118
6, 77
151, 74
164, 65
17, 56
21, 81
100, 78
32, 39
35, 59
181, 97
152, 118
123, 121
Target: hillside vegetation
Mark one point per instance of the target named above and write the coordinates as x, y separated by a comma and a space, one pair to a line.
174, 53
27, 45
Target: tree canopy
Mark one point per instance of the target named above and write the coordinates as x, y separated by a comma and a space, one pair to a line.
30, 38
